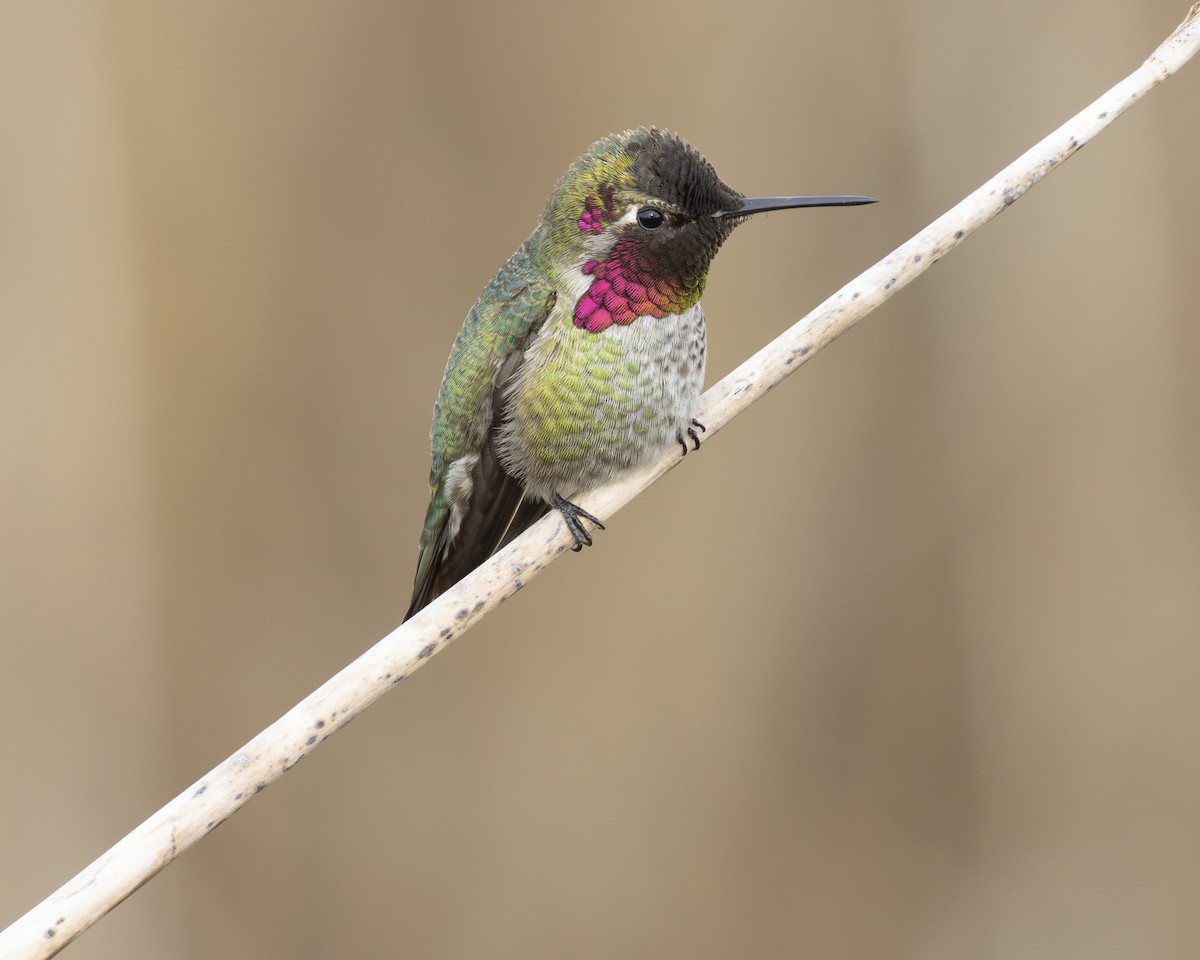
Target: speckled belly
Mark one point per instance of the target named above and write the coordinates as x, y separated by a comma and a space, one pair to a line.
589, 406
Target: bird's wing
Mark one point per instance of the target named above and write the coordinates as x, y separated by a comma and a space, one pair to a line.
473, 498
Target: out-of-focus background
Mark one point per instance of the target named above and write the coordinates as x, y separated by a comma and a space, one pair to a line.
903, 664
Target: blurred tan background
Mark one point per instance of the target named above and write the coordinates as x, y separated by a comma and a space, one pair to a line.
903, 664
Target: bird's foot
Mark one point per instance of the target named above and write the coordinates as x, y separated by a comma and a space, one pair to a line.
572, 515
691, 432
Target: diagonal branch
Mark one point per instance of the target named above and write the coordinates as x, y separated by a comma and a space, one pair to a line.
58, 920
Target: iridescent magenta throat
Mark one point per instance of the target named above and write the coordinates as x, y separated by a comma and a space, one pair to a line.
623, 289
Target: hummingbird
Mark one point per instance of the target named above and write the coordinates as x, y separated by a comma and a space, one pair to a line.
583, 358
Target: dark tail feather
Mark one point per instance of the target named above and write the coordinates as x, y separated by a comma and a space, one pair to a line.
528, 513
497, 515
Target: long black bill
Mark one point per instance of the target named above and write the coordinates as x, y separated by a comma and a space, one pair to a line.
752, 205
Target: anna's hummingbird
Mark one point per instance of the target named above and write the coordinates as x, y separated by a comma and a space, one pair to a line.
584, 356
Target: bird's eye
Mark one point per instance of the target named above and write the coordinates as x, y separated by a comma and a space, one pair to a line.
650, 219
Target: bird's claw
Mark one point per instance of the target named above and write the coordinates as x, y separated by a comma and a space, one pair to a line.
691, 432
572, 514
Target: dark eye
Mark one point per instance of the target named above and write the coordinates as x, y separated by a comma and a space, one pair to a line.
650, 219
